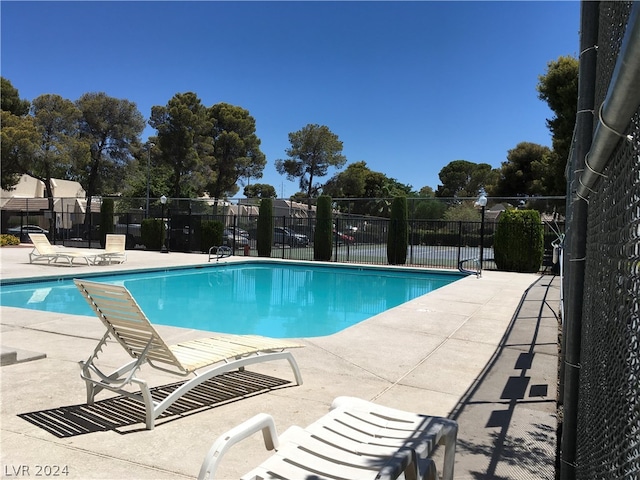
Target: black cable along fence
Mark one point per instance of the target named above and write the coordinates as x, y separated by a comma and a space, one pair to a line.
600, 375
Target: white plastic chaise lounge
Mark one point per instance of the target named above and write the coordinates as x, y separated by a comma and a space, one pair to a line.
355, 440
44, 251
127, 324
114, 249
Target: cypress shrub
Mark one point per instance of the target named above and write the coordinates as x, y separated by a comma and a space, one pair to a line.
152, 233
398, 238
264, 233
322, 244
210, 234
519, 241
106, 220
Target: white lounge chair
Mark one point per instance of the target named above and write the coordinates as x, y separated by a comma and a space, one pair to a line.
127, 324
114, 249
44, 251
355, 440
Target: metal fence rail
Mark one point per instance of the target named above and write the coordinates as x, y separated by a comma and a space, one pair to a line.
356, 239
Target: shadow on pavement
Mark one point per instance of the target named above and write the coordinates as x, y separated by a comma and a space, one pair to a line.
508, 417
121, 413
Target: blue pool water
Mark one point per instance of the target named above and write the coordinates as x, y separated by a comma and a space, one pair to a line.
283, 301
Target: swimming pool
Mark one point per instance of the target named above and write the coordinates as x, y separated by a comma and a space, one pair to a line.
271, 299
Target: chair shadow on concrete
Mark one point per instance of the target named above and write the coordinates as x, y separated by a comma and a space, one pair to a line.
125, 415
520, 447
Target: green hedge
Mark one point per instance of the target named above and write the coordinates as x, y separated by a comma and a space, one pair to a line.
519, 241
398, 238
152, 233
106, 220
264, 234
322, 238
210, 234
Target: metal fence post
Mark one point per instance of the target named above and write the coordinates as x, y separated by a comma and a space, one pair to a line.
284, 224
577, 231
459, 242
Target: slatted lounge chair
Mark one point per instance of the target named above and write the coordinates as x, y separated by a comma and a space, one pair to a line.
127, 324
114, 249
355, 440
43, 251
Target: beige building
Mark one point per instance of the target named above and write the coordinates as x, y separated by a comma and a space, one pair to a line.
28, 200
281, 208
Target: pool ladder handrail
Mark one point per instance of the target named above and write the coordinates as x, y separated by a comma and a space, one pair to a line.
477, 272
220, 252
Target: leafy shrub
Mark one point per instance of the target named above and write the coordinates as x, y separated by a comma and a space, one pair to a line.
6, 239
322, 244
264, 234
210, 234
398, 238
519, 241
152, 233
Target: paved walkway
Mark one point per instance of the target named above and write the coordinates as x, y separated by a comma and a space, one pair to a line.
507, 417
482, 351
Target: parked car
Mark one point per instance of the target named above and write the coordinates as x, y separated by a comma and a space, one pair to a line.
23, 233
133, 232
95, 233
343, 238
285, 236
230, 239
239, 231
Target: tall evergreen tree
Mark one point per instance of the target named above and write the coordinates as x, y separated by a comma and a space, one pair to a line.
559, 88
10, 100
236, 149
56, 120
264, 237
260, 190
525, 171
111, 127
322, 244
184, 143
18, 143
398, 238
19, 137
359, 181
462, 178
313, 150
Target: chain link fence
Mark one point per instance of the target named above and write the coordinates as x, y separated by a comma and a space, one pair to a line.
601, 328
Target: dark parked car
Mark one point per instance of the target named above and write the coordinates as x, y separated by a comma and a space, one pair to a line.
284, 236
23, 234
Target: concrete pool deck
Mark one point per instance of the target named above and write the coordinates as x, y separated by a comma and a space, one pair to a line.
482, 351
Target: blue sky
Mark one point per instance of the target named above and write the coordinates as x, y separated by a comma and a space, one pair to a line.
407, 86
